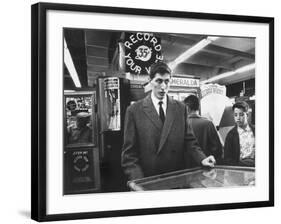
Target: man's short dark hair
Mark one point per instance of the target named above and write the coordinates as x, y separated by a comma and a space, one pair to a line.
241, 105
192, 102
159, 67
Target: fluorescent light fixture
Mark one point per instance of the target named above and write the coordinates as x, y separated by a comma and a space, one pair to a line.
228, 74
212, 38
191, 51
70, 66
69, 91
246, 68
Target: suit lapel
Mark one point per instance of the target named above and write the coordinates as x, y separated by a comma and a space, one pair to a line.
151, 112
170, 116
237, 143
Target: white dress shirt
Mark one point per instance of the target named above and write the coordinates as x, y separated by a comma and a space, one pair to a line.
155, 102
247, 142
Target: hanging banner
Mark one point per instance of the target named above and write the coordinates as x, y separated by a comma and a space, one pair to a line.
213, 102
141, 51
208, 89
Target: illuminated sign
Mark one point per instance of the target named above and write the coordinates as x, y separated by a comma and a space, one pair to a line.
141, 51
184, 82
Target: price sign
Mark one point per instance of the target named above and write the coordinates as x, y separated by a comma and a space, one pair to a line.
141, 51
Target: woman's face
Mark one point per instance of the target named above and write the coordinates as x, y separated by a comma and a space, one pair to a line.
240, 117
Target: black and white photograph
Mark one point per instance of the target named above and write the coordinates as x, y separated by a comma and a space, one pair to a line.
157, 111
140, 112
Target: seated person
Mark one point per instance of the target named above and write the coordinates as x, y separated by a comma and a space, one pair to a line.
81, 133
239, 148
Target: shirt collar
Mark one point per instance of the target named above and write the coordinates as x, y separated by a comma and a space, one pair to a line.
155, 101
247, 129
194, 115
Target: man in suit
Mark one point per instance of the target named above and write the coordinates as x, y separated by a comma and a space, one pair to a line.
203, 129
157, 137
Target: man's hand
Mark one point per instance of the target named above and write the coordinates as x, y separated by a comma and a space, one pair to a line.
134, 187
209, 161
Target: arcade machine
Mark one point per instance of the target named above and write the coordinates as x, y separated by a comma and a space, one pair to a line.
198, 177
113, 99
81, 155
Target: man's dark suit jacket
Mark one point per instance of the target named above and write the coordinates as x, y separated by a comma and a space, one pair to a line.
151, 148
232, 149
207, 136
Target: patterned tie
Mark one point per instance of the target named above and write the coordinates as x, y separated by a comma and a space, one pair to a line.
161, 112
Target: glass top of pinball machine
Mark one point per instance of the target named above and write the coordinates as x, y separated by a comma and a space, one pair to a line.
220, 176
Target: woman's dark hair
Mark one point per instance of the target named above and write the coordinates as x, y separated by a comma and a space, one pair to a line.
241, 105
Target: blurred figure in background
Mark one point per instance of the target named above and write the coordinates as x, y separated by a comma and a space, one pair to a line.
239, 148
81, 132
204, 129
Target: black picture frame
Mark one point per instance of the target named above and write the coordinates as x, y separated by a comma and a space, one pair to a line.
39, 109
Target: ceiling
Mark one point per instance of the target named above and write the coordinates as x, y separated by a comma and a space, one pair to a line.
93, 52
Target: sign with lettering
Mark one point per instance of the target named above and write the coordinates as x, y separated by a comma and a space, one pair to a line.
212, 89
184, 82
213, 102
111, 83
141, 51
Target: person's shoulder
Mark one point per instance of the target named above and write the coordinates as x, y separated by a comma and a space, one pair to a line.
232, 131
206, 121
177, 103
136, 105
203, 122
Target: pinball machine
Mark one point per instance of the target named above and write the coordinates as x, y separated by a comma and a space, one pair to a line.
220, 176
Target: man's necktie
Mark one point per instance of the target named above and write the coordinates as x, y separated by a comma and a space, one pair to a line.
161, 112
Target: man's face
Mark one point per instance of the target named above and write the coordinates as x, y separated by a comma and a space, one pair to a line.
240, 117
160, 85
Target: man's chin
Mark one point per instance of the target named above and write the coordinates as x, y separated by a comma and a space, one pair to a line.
161, 96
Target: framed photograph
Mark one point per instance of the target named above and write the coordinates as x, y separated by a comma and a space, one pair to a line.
102, 146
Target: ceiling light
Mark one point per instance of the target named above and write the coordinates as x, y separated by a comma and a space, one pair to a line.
246, 68
228, 74
212, 38
69, 91
70, 66
191, 51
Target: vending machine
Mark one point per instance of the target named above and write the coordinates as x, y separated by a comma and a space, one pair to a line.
112, 101
81, 170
